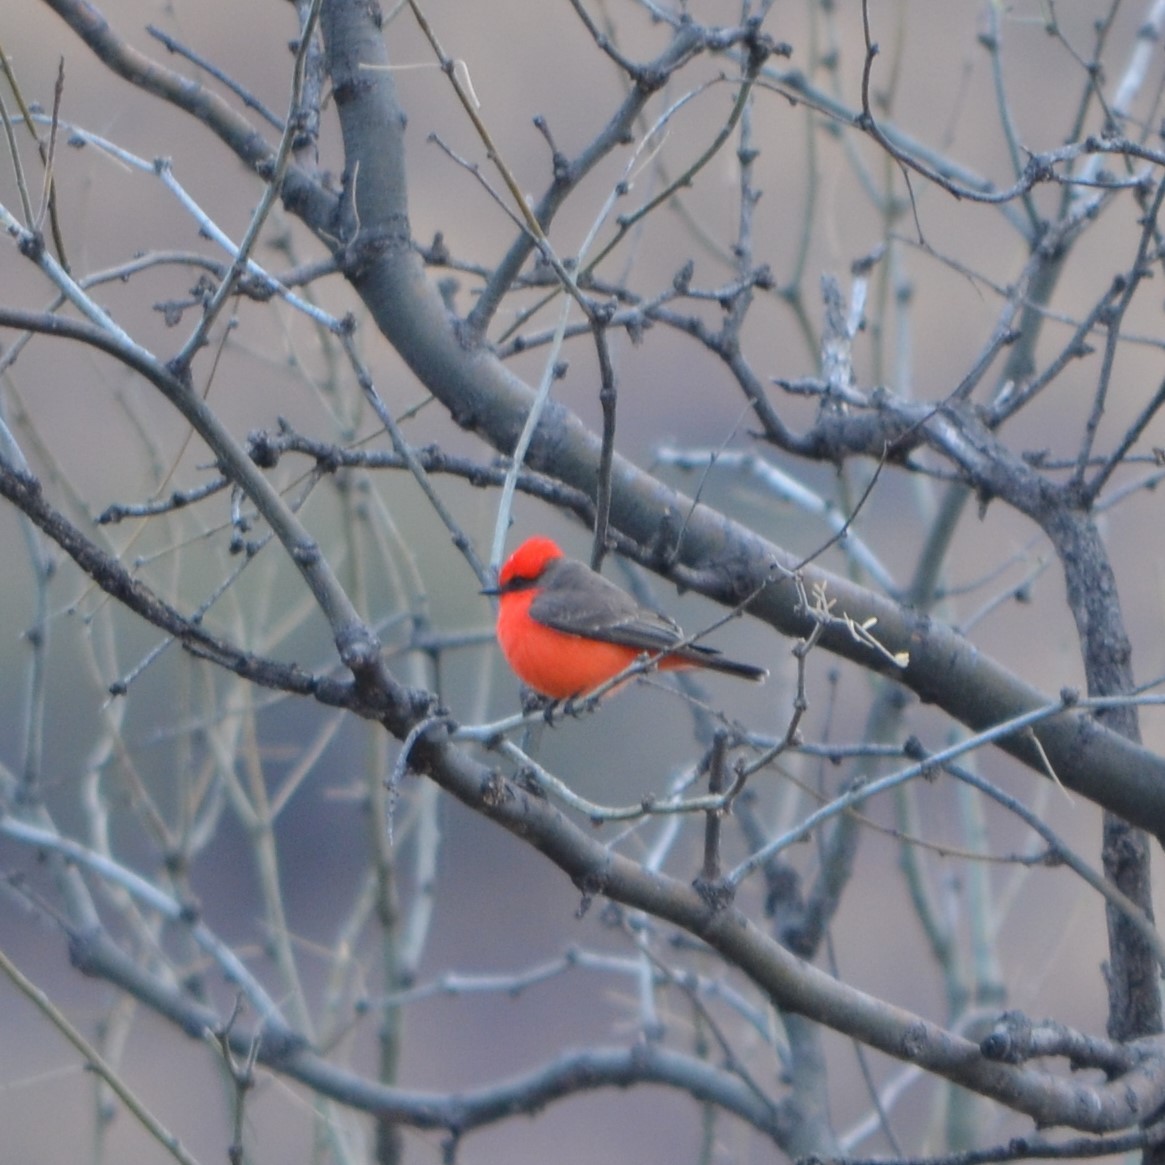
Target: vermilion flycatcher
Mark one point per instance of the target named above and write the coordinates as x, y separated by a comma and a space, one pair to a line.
565, 630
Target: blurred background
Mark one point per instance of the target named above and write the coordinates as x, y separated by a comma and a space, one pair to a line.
102, 437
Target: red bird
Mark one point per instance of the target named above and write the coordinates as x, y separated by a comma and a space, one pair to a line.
566, 630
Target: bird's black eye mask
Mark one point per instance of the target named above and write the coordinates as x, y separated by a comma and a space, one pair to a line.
515, 584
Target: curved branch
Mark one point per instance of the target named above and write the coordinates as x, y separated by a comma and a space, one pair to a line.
792, 983
355, 642
569, 1075
282, 1048
230, 126
24, 492
115, 52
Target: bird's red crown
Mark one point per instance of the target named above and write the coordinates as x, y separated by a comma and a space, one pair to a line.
529, 560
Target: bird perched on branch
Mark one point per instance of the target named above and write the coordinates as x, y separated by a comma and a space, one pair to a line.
565, 630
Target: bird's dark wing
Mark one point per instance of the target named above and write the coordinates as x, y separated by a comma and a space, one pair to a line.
575, 599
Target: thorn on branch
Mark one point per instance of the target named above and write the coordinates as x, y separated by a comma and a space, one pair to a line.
31, 245
716, 895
